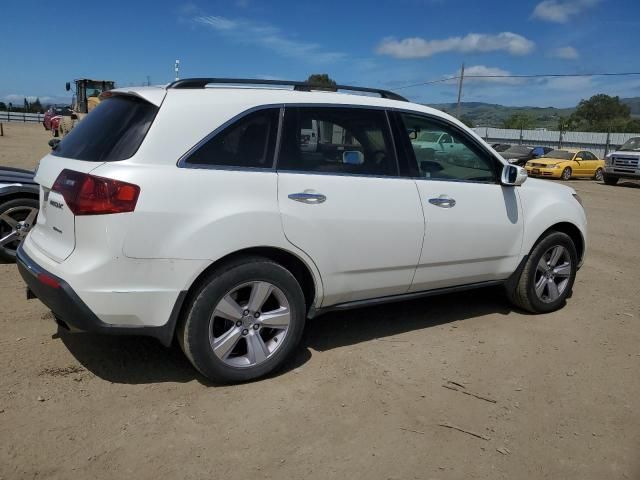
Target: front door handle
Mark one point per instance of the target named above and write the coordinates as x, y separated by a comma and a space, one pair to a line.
443, 201
308, 197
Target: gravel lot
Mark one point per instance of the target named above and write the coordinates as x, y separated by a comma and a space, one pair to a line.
365, 395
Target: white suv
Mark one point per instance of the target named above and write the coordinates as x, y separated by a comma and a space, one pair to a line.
197, 211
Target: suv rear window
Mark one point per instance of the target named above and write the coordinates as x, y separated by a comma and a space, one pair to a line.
112, 132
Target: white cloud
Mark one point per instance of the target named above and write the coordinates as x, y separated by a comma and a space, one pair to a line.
417, 47
560, 11
565, 53
18, 100
569, 84
484, 74
268, 36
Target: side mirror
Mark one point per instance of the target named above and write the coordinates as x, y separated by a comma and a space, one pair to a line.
352, 157
578, 159
67, 86
513, 176
53, 143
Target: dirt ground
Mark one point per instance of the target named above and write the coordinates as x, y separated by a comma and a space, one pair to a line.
365, 395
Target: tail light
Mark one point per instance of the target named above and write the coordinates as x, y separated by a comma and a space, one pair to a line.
90, 195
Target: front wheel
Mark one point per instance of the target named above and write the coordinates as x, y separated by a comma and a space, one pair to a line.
598, 175
566, 174
547, 278
244, 322
609, 180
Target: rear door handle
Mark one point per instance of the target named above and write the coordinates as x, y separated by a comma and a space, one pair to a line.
443, 201
308, 197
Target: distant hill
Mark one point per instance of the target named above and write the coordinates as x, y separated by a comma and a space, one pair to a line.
492, 115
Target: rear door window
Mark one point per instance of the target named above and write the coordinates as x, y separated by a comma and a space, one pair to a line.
113, 131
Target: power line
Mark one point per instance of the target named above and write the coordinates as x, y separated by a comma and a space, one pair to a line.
540, 75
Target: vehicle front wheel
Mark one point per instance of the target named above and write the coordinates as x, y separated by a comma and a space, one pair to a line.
609, 180
17, 217
244, 321
547, 278
598, 175
566, 174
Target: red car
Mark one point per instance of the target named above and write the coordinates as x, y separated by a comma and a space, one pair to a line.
53, 114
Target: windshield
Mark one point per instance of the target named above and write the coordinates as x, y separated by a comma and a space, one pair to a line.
631, 145
112, 131
518, 150
559, 154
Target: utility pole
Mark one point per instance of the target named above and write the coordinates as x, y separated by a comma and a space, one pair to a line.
460, 91
177, 69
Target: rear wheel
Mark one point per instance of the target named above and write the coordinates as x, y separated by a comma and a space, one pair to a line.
609, 180
547, 278
17, 217
598, 175
244, 321
566, 174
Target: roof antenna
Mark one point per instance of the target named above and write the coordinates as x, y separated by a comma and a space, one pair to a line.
177, 69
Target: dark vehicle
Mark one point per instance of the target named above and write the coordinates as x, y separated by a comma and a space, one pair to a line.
540, 151
19, 204
518, 154
500, 147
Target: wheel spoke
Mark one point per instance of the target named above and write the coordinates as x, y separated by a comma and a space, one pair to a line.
540, 286
260, 292
542, 265
228, 308
224, 345
12, 222
276, 319
257, 351
552, 288
556, 253
563, 270
10, 237
33, 213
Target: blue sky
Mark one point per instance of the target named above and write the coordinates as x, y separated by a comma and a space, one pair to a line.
382, 44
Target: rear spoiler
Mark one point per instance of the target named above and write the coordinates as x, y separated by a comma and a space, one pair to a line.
153, 95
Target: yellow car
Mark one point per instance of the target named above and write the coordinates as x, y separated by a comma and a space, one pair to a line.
565, 164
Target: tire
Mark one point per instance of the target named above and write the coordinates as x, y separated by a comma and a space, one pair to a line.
566, 174
17, 217
217, 317
598, 175
609, 180
526, 296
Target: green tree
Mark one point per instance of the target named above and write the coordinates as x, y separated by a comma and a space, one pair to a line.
36, 107
26, 105
3, 106
322, 81
601, 113
467, 120
519, 121
567, 123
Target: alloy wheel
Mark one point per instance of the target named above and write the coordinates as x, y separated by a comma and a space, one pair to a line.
15, 224
552, 274
599, 175
249, 324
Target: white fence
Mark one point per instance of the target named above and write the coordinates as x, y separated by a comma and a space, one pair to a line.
596, 142
21, 117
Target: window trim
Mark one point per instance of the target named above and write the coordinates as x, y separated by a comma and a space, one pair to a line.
496, 163
183, 161
390, 133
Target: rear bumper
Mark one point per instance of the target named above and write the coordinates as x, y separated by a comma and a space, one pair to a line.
69, 308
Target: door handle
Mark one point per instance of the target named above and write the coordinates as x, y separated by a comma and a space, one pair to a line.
308, 197
443, 201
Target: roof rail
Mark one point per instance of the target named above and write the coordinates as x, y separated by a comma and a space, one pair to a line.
301, 86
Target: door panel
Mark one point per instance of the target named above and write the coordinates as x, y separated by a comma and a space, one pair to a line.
473, 225
477, 239
365, 237
344, 205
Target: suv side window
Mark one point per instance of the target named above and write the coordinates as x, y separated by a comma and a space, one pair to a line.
248, 142
460, 160
353, 141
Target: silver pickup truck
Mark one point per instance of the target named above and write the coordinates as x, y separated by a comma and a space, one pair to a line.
623, 163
